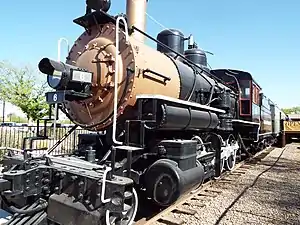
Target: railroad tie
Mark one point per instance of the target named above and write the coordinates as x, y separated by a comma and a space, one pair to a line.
213, 190
184, 211
198, 198
197, 204
242, 171
245, 166
238, 172
234, 174
207, 194
227, 180
171, 220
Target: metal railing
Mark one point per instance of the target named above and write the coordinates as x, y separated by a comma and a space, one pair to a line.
59, 59
13, 136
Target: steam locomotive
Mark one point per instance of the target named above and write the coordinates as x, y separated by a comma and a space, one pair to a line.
169, 124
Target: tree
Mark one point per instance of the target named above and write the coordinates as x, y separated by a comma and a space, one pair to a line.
22, 88
295, 109
15, 118
65, 121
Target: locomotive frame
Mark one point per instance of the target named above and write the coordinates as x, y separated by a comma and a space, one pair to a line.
158, 144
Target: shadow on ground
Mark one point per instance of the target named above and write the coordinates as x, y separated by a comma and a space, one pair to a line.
274, 196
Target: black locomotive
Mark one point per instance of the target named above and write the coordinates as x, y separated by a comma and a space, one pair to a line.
169, 124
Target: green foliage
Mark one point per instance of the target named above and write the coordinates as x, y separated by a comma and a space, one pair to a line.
295, 109
65, 121
22, 88
17, 119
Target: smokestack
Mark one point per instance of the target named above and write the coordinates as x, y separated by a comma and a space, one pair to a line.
136, 15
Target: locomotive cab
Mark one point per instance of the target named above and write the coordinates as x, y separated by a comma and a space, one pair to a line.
257, 113
248, 90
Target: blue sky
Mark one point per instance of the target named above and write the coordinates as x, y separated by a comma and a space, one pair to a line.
262, 37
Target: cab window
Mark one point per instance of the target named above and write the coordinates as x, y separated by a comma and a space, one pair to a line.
245, 89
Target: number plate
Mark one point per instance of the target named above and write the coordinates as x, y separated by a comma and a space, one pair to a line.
81, 76
55, 97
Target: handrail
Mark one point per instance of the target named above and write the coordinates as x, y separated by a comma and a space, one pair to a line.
116, 77
58, 59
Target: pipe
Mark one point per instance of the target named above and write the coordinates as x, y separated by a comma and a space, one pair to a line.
136, 16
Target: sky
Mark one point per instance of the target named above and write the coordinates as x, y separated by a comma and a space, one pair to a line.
261, 37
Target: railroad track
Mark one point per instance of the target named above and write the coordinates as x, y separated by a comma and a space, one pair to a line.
200, 197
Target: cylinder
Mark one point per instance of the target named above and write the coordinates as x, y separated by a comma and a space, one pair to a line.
177, 118
164, 175
136, 15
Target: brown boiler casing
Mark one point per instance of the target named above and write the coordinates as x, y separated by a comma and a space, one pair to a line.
140, 70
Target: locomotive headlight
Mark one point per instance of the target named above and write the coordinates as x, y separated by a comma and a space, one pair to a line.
62, 76
53, 81
70, 82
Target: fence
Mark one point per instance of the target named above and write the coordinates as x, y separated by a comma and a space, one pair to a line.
12, 137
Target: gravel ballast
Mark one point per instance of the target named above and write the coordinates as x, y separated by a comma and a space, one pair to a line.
268, 193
